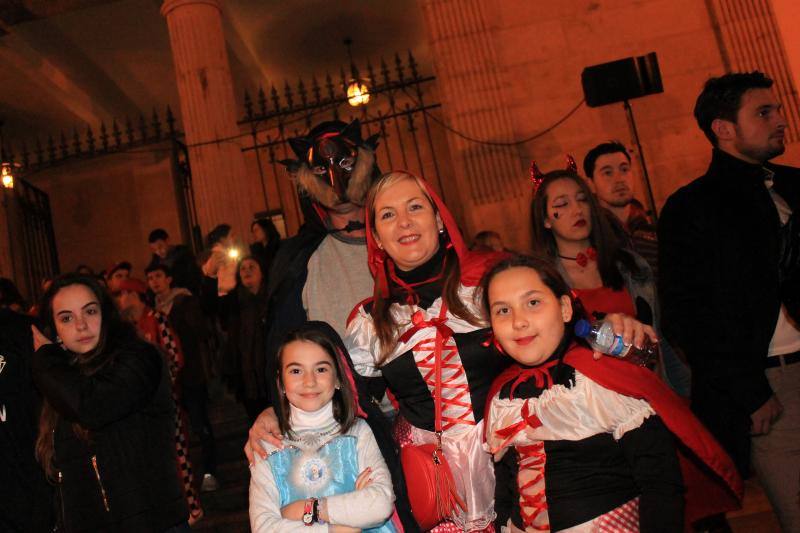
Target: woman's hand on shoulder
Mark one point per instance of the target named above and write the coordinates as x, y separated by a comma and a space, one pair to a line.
631, 330
264, 428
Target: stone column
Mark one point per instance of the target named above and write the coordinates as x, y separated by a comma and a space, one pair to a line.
491, 179
208, 110
750, 37
787, 13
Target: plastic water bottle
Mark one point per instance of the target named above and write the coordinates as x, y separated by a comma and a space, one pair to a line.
601, 337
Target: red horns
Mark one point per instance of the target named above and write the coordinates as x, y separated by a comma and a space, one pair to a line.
537, 176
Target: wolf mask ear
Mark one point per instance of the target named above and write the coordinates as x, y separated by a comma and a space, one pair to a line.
292, 165
352, 132
300, 146
372, 142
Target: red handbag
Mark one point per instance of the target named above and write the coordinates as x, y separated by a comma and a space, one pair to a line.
431, 489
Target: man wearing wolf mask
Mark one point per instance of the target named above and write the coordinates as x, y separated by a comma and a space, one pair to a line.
322, 272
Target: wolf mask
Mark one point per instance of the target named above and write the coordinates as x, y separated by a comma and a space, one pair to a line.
334, 166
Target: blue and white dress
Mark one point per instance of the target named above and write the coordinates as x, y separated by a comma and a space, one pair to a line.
322, 463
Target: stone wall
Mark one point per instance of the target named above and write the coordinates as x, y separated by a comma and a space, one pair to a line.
103, 209
531, 79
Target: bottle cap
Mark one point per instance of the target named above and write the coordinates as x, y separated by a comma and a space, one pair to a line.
582, 328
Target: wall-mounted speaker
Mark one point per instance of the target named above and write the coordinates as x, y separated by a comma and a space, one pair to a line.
621, 80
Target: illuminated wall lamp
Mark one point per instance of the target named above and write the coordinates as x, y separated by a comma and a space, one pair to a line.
357, 90
6, 176
357, 93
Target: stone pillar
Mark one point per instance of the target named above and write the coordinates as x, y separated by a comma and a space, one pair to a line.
491, 179
208, 110
787, 13
750, 37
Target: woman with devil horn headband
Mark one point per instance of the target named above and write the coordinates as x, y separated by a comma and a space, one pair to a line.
570, 229
423, 309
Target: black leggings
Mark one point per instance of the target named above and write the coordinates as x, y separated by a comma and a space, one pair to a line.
194, 399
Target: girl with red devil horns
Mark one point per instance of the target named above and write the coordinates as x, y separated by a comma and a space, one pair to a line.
572, 230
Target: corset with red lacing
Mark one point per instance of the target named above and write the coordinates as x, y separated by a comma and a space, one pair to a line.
531, 484
456, 404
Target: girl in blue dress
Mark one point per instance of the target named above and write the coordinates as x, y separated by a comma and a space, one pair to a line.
330, 474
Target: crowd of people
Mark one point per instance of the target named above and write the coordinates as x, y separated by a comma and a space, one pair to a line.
397, 379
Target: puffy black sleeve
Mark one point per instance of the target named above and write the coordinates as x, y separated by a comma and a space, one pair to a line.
650, 451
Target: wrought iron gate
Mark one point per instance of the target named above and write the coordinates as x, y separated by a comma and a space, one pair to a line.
397, 110
31, 238
156, 134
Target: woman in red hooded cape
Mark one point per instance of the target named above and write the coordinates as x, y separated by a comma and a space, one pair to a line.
423, 309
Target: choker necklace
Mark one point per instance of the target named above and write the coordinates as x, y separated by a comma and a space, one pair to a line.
582, 258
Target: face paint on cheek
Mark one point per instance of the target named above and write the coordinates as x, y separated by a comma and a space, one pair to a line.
556, 215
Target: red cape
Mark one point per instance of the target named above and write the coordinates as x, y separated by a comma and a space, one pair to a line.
713, 484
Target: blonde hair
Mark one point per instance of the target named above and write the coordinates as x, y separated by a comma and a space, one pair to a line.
385, 325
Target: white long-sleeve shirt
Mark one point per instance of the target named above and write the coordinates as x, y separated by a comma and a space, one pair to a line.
365, 508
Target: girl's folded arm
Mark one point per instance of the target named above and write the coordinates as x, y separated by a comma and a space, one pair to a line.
265, 510
374, 504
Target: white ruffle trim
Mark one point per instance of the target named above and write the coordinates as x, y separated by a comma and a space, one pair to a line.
569, 413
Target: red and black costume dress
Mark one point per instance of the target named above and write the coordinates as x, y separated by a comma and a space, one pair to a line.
468, 365
591, 445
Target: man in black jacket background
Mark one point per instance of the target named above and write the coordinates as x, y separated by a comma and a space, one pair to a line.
333, 171
721, 240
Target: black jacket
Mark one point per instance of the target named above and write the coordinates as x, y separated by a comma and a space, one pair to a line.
719, 250
128, 410
286, 279
187, 319
26, 500
243, 314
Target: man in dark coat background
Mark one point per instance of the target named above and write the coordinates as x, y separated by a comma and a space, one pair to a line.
724, 241
333, 171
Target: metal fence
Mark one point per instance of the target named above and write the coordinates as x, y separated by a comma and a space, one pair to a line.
400, 99
34, 241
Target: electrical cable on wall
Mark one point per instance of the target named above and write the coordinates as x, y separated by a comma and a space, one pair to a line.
427, 112
435, 119
466, 137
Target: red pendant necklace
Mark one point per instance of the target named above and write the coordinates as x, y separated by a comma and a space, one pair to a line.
582, 258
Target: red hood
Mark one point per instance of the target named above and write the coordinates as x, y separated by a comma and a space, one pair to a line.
472, 264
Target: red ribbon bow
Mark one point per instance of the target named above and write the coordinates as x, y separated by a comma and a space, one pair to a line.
583, 258
491, 340
418, 322
539, 373
528, 419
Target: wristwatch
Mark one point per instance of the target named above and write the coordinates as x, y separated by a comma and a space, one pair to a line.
310, 511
